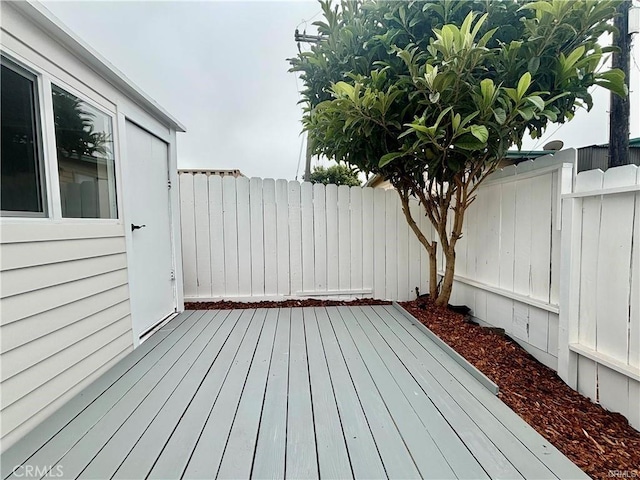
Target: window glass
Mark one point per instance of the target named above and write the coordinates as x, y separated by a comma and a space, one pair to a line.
22, 184
84, 144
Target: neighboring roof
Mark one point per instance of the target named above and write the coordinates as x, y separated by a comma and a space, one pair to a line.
633, 143
44, 19
208, 171
526, 154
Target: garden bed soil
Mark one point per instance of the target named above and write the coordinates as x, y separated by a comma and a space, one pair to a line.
602, 443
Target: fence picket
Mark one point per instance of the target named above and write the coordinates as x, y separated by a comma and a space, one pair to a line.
320, 237
295, 237
391, 244
589, 252
331, 209
257, 236
379, 217
368, 238
244, 236
270, 237
216, 236
508, 234
230, 225
522, 250
614, 252
541, 230
357, 241
282, 237
203, 251
344, 239
308, 236
188, 230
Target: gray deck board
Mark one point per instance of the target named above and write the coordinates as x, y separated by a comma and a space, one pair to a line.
161, 408
546, 453
363, 451
152, 365
301, 459
475, 440
419, 395
397, 459
335, 392
144, 400
422, 447
238, 453
269, 460
333, 460
175, 454
207, 455
137, 462
35, 439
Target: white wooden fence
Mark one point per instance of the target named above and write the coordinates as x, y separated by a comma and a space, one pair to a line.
508, 260
552, 258
599, 334
266, 239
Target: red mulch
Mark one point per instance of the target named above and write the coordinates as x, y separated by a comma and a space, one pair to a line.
307, 302
602, 443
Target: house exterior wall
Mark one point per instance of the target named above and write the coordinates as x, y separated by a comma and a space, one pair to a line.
65, 286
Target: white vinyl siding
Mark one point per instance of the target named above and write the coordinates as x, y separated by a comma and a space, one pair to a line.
65, 315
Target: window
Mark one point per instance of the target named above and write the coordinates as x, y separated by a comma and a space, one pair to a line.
84, 147
22, 184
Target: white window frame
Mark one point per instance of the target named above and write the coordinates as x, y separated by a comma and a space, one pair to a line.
36, 78
52, 201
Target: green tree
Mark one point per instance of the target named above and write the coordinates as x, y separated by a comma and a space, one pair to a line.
337, 174
431, 94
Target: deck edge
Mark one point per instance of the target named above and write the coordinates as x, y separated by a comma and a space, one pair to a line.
459, 359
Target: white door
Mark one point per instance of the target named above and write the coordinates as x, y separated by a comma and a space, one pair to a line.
149, 219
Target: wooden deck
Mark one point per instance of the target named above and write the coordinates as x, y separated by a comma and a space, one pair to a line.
338, 392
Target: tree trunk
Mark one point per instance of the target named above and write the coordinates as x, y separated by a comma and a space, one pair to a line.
447, 281
433, 270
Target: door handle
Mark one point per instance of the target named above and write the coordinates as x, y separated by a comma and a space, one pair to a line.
136, 227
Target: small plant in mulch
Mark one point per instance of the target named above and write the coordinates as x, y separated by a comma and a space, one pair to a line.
602, 443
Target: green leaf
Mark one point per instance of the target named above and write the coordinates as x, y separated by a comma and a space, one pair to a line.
536, 101
488, 89
388, 158
539, 6
533, 65
523, 85
480, 132
455, 122
526, 113
574, 56
500, 115
469, 142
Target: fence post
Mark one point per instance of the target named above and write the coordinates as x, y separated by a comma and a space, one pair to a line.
570, 254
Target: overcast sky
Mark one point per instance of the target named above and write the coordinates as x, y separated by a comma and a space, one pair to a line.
220, 68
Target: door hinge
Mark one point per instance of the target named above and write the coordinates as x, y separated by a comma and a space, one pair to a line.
172, 275
169, 183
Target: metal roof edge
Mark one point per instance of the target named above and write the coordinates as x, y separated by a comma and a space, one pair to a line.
48, 22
